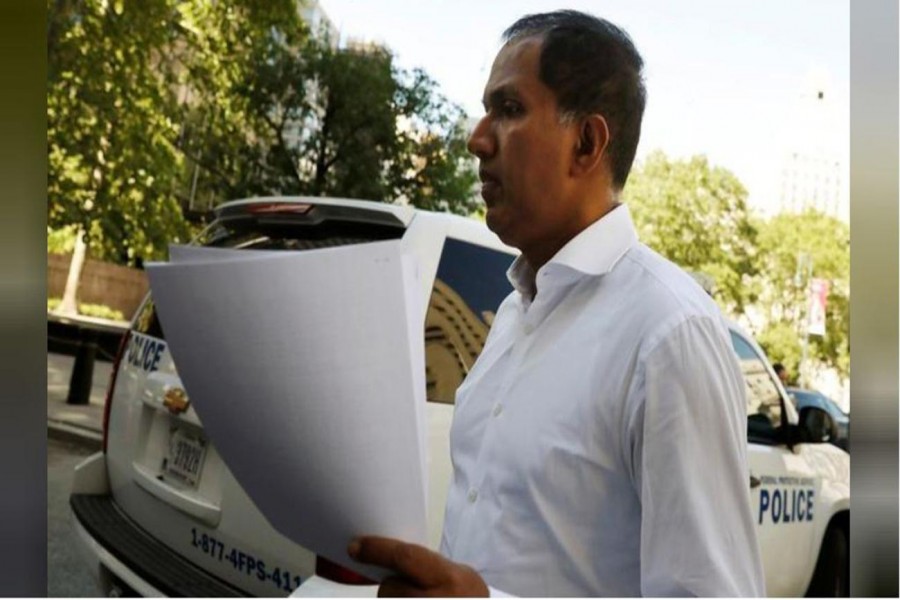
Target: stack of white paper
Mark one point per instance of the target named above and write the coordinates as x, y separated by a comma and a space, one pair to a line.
307, 370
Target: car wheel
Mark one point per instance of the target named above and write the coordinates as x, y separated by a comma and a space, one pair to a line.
832, 576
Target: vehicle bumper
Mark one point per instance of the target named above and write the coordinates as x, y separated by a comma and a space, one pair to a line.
110, 572
121, 554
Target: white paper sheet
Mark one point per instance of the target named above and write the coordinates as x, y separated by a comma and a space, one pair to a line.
410, 246
185, 253
307, 370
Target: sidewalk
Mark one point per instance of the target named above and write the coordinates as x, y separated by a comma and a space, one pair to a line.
78, 423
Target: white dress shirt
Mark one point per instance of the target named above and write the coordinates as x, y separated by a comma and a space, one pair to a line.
599, 441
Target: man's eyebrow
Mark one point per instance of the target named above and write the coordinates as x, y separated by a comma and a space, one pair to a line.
498, 94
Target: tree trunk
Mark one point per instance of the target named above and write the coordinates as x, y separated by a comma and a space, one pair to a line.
69, 304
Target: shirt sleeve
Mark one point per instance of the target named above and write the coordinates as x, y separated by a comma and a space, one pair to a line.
689, 460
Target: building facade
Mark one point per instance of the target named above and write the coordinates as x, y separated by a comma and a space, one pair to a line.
815, 169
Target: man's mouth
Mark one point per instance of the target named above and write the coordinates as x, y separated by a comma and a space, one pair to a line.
490, 187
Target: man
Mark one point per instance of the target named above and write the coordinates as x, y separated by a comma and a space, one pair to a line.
782, 374
599, 442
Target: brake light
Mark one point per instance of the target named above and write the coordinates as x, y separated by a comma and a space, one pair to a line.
335, 572
279, 207
112, 386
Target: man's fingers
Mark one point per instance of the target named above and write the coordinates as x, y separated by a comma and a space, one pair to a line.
419, 571
396, 587
417, 563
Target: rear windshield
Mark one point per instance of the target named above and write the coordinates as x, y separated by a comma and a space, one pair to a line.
322, 227
289, 234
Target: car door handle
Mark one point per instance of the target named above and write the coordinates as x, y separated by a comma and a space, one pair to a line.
754, 482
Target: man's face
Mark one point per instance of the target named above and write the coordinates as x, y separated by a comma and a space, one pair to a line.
525, 154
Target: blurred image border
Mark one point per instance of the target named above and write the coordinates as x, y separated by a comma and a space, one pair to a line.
23, 267
873, 312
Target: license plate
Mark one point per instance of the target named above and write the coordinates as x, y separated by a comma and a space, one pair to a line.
185, 459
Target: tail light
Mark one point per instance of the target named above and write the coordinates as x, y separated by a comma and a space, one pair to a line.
335, 572
279, 207
112, 385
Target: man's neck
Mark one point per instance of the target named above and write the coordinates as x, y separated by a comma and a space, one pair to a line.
540, 255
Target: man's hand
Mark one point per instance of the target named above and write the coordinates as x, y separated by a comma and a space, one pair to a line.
419, 571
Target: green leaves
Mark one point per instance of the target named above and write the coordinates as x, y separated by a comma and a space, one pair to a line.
109, 126
795, 248
183, 104
296, 115
696, 215
372, 131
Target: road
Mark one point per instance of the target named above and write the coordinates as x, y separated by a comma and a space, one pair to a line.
67, 573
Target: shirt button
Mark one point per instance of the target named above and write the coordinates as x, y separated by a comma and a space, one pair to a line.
473, 495
528, 329
498, 409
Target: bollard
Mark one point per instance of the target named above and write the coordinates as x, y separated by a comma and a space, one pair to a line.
83, 372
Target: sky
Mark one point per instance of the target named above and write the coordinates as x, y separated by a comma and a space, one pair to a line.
723, 77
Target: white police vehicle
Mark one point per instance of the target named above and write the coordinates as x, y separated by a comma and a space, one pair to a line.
158, 513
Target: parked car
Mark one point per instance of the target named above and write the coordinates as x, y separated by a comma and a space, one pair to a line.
151, 529
839, 427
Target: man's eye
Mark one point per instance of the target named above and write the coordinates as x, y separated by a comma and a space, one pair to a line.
510, 108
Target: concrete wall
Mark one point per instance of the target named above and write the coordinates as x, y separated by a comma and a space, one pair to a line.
121, 288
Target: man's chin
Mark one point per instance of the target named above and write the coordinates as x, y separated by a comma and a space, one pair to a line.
492, 220
500, 226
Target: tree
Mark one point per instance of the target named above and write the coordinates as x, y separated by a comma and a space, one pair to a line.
787, 244
431, 167
112, 165
315, 119
243, 84
128, 84
352, 125
347, 122
174, 104
696, 215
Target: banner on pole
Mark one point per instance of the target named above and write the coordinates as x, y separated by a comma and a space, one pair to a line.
818, 296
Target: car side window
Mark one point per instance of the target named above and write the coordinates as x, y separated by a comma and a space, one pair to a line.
763, 399
469, 287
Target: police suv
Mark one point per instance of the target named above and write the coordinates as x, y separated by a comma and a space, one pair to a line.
158, 513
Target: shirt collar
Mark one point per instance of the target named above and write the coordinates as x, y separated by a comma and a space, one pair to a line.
593, 252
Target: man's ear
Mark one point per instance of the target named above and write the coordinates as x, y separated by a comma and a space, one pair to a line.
591, 145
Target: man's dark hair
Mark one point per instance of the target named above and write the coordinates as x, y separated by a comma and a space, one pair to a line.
778, 368
593, 67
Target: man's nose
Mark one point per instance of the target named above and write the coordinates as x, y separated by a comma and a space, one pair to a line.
481, 140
